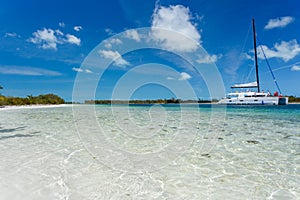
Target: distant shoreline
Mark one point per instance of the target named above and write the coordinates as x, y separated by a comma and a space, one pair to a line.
33, 106
294, 102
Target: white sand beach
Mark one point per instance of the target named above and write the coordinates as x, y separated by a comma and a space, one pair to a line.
34, 106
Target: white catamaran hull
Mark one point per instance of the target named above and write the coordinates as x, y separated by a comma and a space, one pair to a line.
255, 101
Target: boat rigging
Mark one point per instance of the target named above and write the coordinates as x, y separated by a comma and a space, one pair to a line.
254, 98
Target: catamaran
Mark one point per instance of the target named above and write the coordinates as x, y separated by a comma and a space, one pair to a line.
258, 97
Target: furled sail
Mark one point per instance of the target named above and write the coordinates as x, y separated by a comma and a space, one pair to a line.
245, 85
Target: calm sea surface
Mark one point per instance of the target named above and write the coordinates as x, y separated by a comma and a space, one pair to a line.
150, 152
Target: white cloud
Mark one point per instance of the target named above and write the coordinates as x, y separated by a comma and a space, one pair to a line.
73, 39
88, 71
49, 39
61, 24
178, 19
114, 55
170, 78
109, 31
77, 69
279, 22
77, 28
207, 59
295, 68
109, 43
133, 34
110, 54
11, 35
184, 76
27, 71
81, 70
284, 50
58, 32
45, 38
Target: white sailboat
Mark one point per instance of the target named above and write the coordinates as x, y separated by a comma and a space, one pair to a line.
250, 97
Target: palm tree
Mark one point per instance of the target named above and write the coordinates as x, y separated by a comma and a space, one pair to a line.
1, 87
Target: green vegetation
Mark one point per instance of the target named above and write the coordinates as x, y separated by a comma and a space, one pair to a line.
293, 99
157, 101
30, 100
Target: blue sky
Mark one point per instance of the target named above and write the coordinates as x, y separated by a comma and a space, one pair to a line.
46, 46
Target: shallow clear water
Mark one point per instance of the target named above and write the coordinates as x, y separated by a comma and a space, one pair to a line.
150, 152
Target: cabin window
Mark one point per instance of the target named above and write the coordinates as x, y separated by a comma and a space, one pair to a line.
259, 95
232, 96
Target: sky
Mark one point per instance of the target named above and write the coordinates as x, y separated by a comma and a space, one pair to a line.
133, 49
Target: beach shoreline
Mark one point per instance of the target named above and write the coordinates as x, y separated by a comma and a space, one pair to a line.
17, 107
294, 103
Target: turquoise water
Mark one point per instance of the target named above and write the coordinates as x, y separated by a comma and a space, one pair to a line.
150, 152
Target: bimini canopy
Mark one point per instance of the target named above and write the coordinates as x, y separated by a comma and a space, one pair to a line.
245, 85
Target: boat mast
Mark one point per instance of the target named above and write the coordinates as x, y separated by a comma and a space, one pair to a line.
255, 55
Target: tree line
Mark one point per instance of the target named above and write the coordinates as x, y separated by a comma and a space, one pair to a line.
148, 101
157, 101
294, 99
31, 100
